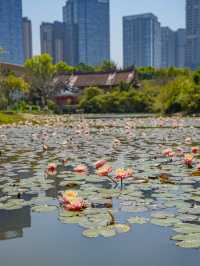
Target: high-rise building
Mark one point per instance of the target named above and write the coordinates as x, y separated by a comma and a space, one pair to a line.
52, 36
192, 33
87, 30
168, 47
46, 38
141, 40
11, 35
27, 38
180, 46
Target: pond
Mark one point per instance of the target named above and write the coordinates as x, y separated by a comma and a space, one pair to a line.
139, 205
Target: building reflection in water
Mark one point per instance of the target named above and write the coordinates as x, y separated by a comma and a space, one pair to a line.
13, 222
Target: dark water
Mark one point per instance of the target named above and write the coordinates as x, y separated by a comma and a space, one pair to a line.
40, 239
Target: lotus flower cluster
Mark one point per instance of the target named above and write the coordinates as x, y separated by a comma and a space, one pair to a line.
72, 202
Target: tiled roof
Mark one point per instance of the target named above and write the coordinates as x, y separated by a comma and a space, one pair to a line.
17, 69
95, 79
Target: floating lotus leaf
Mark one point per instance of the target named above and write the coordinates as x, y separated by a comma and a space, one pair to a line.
85, 223
70, 184
91, 233
64, 213
107, 231
194, 210
70, 220
137, 220
187, 237
168, 222
187, 218
195, 198
44, 208
14, 204
187, 228
133, 209
162, 215
91, 211
177, 204
121, 228
189, 244
41, 199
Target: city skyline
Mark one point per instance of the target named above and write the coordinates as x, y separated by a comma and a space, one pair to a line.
118, 10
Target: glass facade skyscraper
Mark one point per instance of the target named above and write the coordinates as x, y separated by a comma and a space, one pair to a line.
141, 40
52, 37
27, 38
168, 41
87, 30
173, 47
193, 33
180, 38
11, 34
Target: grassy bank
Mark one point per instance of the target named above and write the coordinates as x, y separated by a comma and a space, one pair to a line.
10, 118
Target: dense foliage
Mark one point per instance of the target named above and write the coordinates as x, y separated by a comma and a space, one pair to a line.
119, 100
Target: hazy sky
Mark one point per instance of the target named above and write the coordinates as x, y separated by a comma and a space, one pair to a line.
170, 13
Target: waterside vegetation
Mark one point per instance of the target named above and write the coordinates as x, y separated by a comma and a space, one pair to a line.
164, 91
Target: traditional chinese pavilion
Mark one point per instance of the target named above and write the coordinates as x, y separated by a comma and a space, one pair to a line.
69, 87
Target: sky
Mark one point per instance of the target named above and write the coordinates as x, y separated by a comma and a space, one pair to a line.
170, 13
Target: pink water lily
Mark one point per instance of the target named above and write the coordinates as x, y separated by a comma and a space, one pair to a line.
198, 167
122, 174
195, 150
76, 206
104, 171
52, 169
168, 153
69, 196
188, 160
81, 168
100, 163
72, 202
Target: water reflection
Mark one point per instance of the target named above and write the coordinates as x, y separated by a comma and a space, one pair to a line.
13, 222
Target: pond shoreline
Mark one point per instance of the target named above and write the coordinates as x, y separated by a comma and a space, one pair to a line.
8, 118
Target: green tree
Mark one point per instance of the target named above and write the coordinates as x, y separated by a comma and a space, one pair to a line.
170, 98
106, 66
40, 74
196, 77
83, 68
9, 85
85, 101
63, 68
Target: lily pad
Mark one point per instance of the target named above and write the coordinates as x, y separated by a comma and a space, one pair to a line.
44, 208
91, 233
137, 220
189, 244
